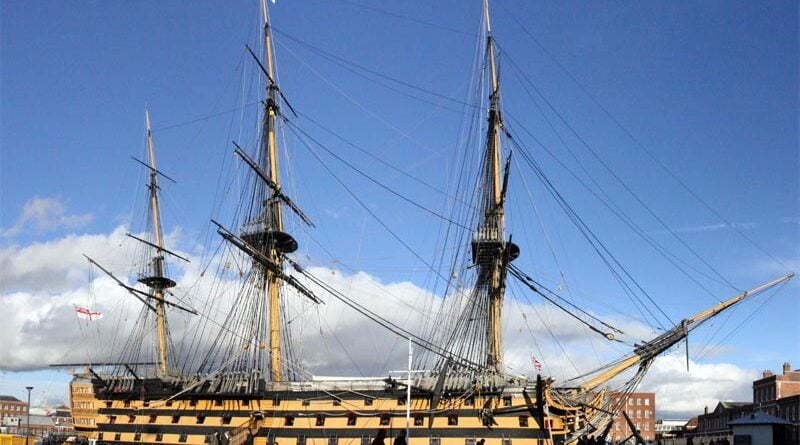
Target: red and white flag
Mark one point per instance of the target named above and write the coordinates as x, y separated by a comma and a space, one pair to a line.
87, 314
536, 365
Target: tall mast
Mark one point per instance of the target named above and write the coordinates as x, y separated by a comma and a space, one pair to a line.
491, 251
274, 218
157, 282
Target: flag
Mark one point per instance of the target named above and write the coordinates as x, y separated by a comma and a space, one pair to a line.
536, 365
88, 314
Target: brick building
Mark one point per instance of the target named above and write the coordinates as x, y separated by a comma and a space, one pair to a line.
771, 388
715, 423
641, 408
777, 395
11, 406
62, 418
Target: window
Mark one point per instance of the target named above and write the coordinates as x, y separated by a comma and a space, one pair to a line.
201, 418
152, 419
523, 421
368, 402
333, 440
127, 404
145, 404
419, 420
218, 402
638, 401
132, 418
337, 402
638, 413
246, 402
226, 419
276, 401
137, 437
452, 419
169, 403
109, 403
288, 421
507, 401
117, 436
182, 437
320, 420
385, 419
100, 436
647, 414
351, 419
435, 440
159, 437
469, 441
506, 441
301, 439
365, 440
617, 427
630, 401
176, 418
112, 419
192, 402
401, 401
647, 427
646, 402
306, 403
469, 401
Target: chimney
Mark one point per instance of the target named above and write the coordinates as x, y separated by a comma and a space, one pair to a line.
706, 410
767, 373
787, 368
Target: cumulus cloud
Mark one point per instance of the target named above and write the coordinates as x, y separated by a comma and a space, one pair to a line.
682, 394
42, 283
44, 215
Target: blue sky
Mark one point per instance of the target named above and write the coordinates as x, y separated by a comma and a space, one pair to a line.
710, 88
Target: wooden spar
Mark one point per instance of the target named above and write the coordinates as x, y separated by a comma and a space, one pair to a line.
273, 208
158, 260
493, 211
649, 350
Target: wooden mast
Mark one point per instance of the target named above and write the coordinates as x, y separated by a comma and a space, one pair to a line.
493, 226
157, 282
273, 207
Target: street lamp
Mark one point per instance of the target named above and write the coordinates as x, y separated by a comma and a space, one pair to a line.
28, 429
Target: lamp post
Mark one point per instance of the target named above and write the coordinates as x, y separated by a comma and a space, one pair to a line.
28, 429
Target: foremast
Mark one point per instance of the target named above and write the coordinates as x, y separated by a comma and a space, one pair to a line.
491, 251
157, 282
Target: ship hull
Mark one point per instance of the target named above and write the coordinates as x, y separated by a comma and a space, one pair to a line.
316, 413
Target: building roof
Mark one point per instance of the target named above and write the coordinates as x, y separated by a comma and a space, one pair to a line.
10, 399
37, 420
729, 405
759, 418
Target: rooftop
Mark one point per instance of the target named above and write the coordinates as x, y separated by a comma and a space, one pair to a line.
759, 418
9, 399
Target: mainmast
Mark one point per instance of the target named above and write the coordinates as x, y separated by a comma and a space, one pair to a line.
157, 282
490, 250
274, 218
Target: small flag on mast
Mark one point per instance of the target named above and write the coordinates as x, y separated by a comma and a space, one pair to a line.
536, 365
87, 314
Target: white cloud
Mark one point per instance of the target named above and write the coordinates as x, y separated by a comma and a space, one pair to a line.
44, 215
43, 281
715, 227
682, 394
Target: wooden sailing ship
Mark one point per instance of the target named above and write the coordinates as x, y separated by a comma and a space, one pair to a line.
247, 389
